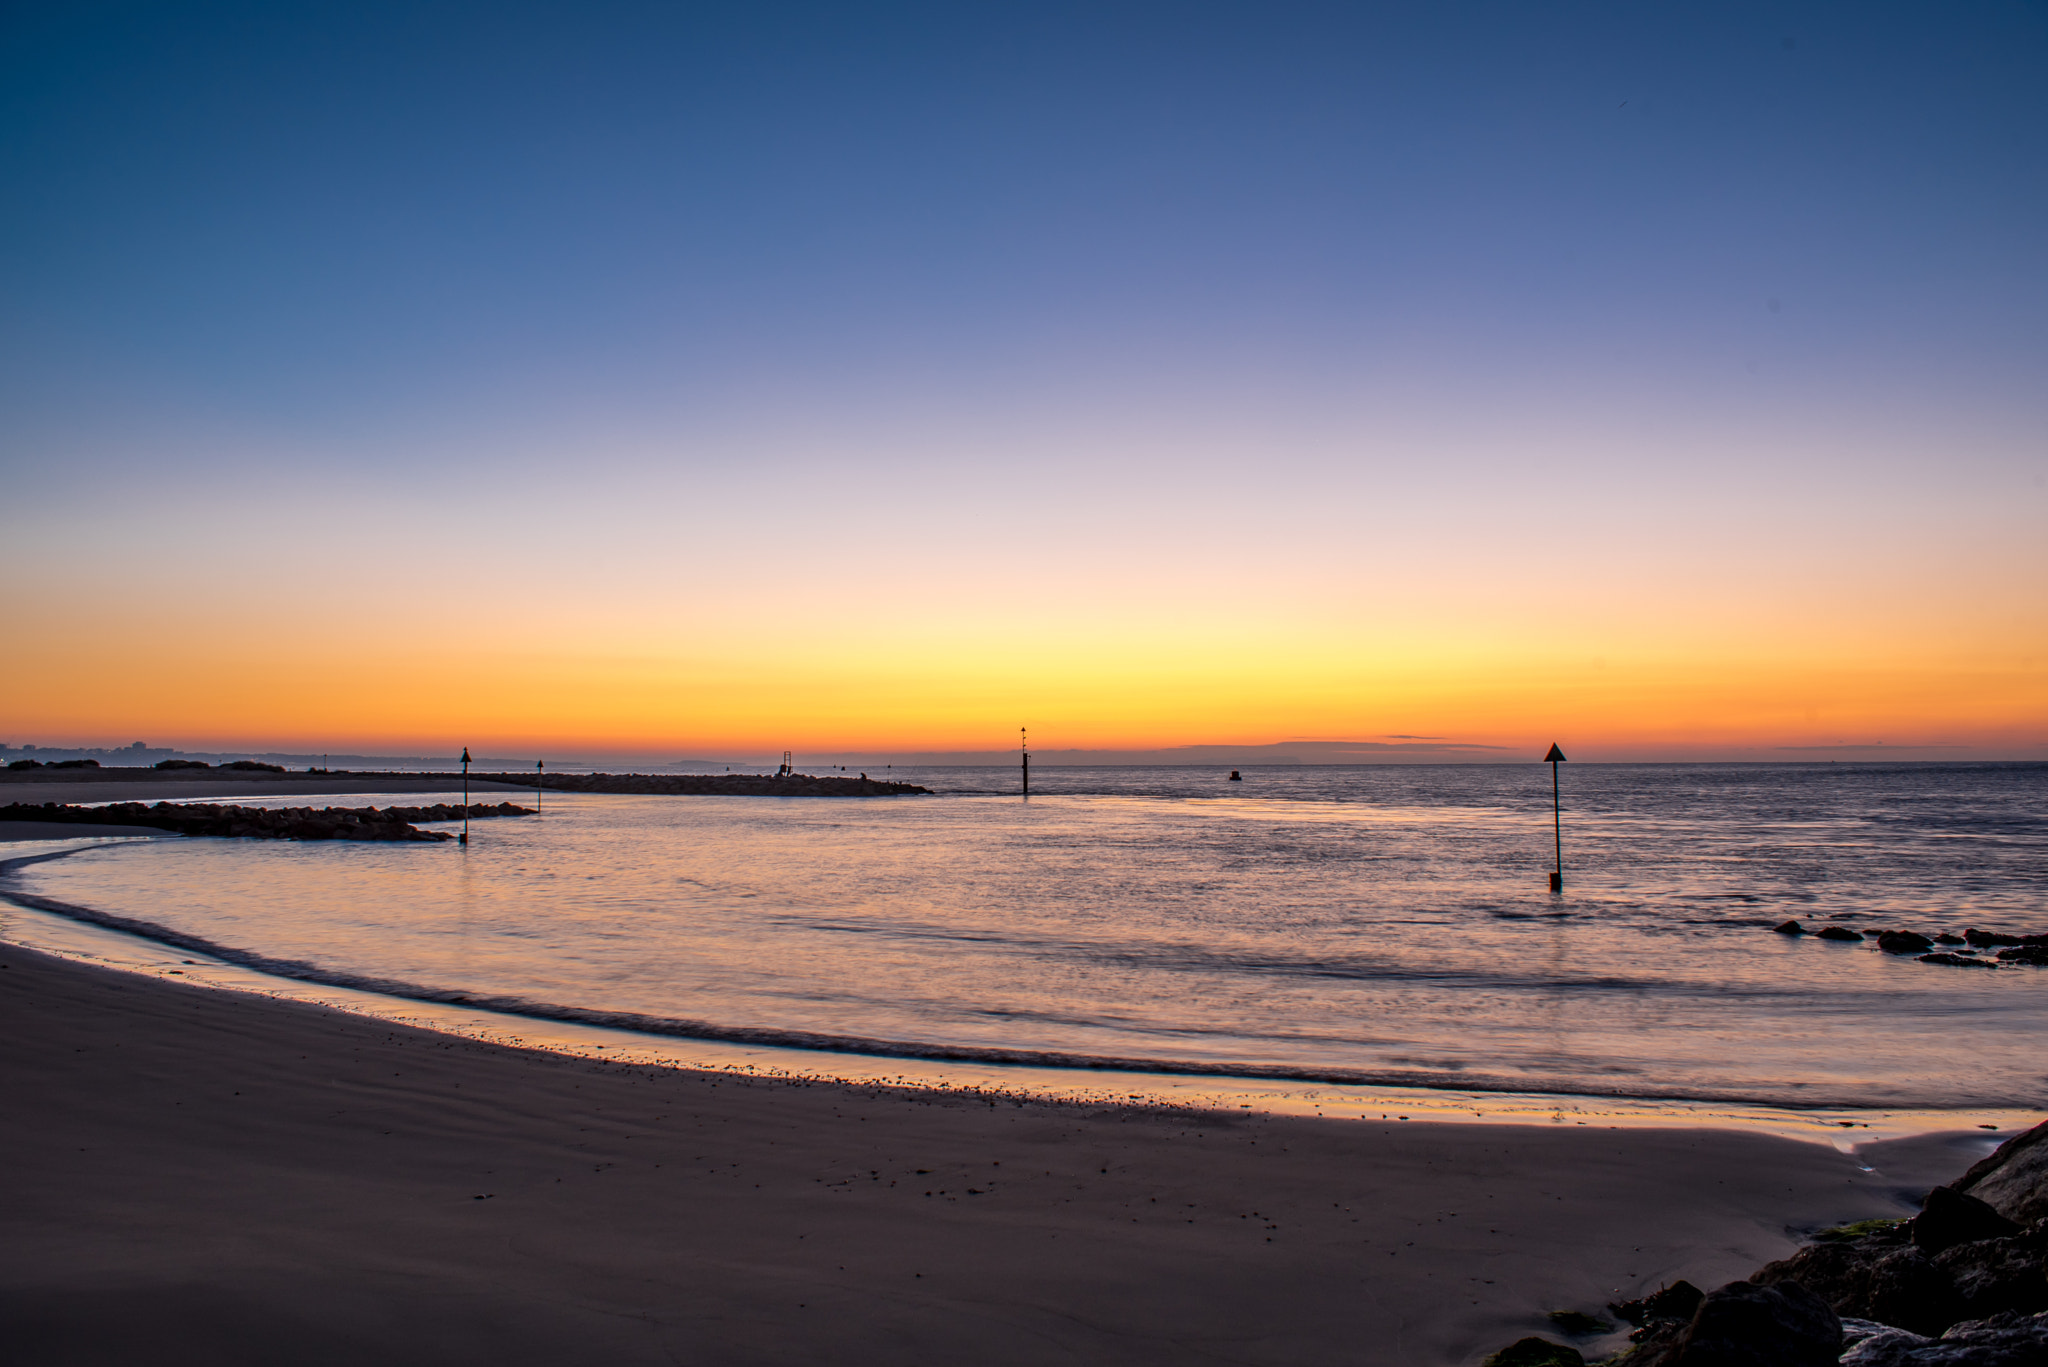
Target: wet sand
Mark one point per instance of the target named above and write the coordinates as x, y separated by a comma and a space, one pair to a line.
196, 1175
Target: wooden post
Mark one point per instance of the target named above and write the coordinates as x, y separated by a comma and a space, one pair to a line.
539, 782
465, 795
1024, 749
1553, 759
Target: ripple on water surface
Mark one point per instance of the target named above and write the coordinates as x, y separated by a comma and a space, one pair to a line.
1375, 924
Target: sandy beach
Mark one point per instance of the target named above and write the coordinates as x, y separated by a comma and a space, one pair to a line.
197, 1175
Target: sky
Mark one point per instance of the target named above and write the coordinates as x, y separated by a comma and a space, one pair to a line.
1662, 379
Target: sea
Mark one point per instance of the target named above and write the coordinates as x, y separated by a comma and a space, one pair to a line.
1383, 925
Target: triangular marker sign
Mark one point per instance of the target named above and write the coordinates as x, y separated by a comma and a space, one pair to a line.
1555, 756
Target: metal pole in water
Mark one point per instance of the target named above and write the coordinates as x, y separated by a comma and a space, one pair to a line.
539, 781
465, 795
1553, 759
1024, 749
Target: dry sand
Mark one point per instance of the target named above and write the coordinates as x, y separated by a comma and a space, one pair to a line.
200, 1176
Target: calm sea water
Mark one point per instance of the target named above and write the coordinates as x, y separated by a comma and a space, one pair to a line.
1384, 924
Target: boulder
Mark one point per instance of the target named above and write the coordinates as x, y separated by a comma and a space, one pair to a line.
1872, 1279
1885, 1348
1535, 1352
1679, 1301
1995, 1276
2008, 1340
1955, 961
1854, 1331
2036, 955
1987, 939
1903, 942
1839, 933
1745, 1325
2013, 1180
1789, 928
1949, 1217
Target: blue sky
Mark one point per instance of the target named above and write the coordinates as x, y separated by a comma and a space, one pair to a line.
1093, 278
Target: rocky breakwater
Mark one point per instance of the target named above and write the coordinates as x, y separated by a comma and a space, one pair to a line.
1962, 1284
1973, 948
713, 785
262, 823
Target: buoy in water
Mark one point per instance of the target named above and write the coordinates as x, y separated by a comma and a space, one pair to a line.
1234, 778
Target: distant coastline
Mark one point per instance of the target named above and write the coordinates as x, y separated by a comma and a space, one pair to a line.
115, 784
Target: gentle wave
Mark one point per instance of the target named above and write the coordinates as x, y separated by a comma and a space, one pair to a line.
1455, 1078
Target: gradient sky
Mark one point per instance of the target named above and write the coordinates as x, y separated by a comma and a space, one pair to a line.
1671, 380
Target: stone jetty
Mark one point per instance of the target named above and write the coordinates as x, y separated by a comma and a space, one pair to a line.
262, 823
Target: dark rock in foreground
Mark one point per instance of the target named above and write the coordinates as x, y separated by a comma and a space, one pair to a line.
1994, 1276
1789, 928
1977, 1249
1949, 1217
1962, 1284
1955, 961
2013, 1179
1839, 933
1903, 942
2007, 1340
1882, 1278
262, 823
1746, 1325
1678, 1301
1535, 1352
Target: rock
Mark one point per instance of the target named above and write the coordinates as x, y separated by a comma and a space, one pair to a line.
1535, 1352
1946, 939
1873, 1279
1745, 1325
2008, 1340
1854, 1331
1902, 942
1994, 1276
1909, 1291
1955, 961
2036, 955
1678, 1301
1949, 1217
1789, 928
2013, 1180
1986, 939
1839, 933
1886, 1348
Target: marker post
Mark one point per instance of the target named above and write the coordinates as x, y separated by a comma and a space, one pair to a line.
1553, 759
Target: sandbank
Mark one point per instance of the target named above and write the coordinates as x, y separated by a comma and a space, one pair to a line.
205, 1175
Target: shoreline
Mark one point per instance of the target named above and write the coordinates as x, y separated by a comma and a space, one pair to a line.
86, 937
216, 1170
